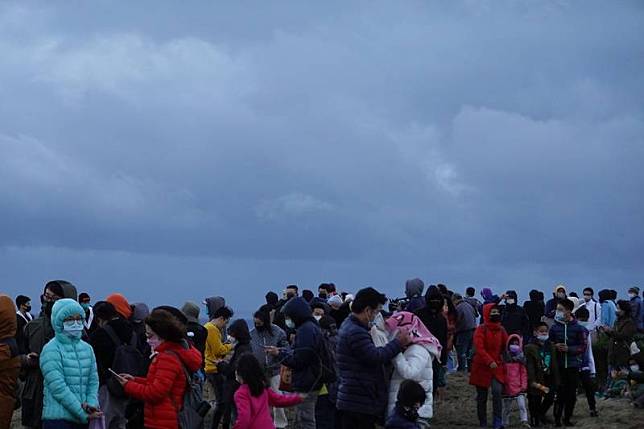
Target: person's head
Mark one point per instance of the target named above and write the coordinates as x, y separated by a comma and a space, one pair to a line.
262, 321
238, 331
250, 372
335, 302
332, 289
296, 312
582, 314
318, 310
541, 332
564, 310
104, 312
434, 300
307, 295
367, 304
588, 294
67, 317
443, 289
123, 307
514, 344
291, 291
511, 298
495, 314
633, 292
470, 291
271, 299
414, 287
84, 300
613, 294
604, 295
411, 396
560, 291
222, 316
162, 326
191, 311
633, 365
213, 304
324, 290
534, 295
23, 303
456, 298
623, 309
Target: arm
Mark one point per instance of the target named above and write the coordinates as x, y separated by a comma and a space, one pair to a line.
159, 387
278, 400
411, 363
242, 403
479, 345
52, 370
362, 345
303, 353
92, 387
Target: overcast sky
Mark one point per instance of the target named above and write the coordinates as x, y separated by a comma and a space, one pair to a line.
172, 152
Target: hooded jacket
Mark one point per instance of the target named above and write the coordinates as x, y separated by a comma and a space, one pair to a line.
196, 333
69, 370
162, 389
490, 340
535, 308
414, 291
304, 358
432, 317
514, 318
575, 337
516, 374
238, 330
104, 347
551, 305
9, 360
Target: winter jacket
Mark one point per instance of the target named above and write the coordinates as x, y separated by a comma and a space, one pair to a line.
437, 325
21, 338
535, 308
415, 363
253, 412
104, 347
341, 314
541, 366
68, 366
608, 314
489, 343
239, 330
259, 339
620, 339
9, 360
162, 389
594, 312
397, 421
414, 292
514, 318
304, 358
215, 348
465, 317
575, 337
474, 302
636, 310
516, 374
361, 384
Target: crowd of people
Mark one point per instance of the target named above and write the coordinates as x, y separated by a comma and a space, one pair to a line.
340, 360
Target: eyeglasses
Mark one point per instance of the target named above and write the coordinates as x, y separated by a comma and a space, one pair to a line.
51, 297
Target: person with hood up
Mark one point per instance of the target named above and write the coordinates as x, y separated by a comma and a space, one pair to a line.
303, 358
165, 383
10, 361
197, 334
558, 294
488, 298
637, 306
266, 334
570, 340
490, 340
415, 362
513, 317
543, 374
414, 292
516, 380
38, 332
466, 316
535, 308
409, 400
432, 317
68, 366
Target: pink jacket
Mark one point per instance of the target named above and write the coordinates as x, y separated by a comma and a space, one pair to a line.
253, 412
516, 374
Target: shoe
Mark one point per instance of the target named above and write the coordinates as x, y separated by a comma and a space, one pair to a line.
594, 413
568, 423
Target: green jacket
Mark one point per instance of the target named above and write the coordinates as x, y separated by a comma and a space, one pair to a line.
541, 368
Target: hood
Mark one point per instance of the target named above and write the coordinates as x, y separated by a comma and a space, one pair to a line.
239, 330
487, 308
535, 296
559, 286
213, 304
140, 312
298, 310
63, 308
511, 337
414, 287
486, 293
191, 311
513, 294
8, 321
191, 357
120, 304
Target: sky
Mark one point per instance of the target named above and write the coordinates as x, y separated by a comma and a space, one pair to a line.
172, 152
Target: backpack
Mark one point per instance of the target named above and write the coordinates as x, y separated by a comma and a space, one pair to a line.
127, 359
326, 354
194, 408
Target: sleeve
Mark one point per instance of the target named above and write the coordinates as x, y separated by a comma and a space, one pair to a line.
51, 366
411, 363
92, 387
524, 378
242, 404
479, 345
159, 387
362, 345
626, 333
278, 400
303, 353
216, 349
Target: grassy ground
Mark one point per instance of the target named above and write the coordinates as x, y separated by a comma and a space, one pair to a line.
459, 410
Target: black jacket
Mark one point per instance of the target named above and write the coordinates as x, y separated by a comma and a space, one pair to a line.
535, 308
104, 347
197, 335
437, 325
514, 318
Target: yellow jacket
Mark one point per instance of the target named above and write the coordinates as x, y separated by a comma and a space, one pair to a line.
215, 349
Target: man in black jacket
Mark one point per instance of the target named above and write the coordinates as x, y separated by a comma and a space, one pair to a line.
514, 318
432, 317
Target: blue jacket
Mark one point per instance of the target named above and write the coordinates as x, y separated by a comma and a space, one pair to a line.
608, 313
362, 386
69, 370
304, 359
637, 308
575, 337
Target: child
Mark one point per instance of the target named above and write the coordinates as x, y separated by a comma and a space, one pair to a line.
410, 398
516, 380
587, 370
636, 378
254, 397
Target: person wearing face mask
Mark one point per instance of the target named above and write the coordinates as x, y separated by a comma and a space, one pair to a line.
85, 301
318, 310
513, 317
165, 383
362, 387
69, 369
587, 372
289, 293
23, 316
410, 398
558, 294
516, 380
637, 307
10, 360
38, 332
490, 340
543, 374
621, 336
593, 307
216, 350
571, 341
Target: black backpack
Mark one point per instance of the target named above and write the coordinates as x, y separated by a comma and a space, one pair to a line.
326, 354
127, 360
193, 409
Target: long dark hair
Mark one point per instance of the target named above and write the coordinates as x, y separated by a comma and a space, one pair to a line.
265, 317
252, 374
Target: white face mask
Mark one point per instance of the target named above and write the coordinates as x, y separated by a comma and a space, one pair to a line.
290, 324
510, 301
543, 338
632, 295
587, 298
317, 317
635, 368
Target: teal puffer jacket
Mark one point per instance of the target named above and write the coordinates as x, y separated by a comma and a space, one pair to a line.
69, 369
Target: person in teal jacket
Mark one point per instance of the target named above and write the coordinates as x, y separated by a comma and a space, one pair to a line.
69, 370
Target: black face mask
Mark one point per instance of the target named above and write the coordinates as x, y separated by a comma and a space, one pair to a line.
49, 305
290, 295
495, 318
409, 413
322, 295
28, 308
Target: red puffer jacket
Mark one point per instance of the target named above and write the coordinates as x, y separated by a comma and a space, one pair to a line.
163, 388
489, 342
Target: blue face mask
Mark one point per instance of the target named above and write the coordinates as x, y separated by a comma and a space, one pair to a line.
85, 305
560, 316
73, 328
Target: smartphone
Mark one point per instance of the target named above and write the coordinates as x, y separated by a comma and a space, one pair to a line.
114, 373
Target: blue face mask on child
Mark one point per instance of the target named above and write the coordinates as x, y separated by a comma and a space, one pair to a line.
515, 349
73, 328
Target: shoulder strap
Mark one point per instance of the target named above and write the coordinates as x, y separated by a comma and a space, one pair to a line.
183, 366
112, 334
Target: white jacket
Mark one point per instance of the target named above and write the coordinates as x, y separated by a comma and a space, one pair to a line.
414, 363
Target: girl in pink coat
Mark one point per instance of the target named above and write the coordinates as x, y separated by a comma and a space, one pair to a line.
254, 397
516, 380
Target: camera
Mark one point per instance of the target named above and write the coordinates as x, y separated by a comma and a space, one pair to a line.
398, 304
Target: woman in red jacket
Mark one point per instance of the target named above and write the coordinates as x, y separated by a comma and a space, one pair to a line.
162, 389
487, 365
